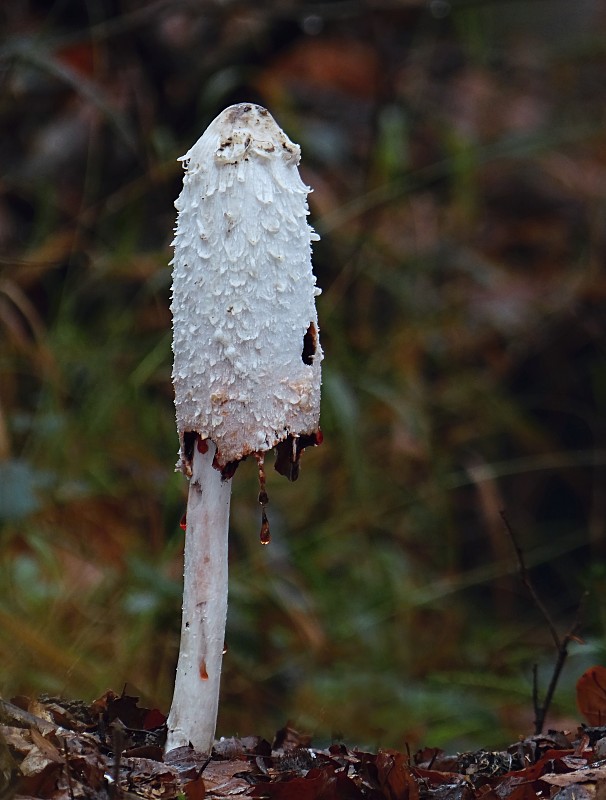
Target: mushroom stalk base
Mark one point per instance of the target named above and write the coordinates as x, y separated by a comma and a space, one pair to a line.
193, 714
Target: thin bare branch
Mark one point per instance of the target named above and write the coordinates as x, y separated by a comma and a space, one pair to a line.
561, 642
525, 575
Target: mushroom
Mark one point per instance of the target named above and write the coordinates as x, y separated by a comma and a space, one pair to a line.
246, 365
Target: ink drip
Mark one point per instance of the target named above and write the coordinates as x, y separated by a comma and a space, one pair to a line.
265, 535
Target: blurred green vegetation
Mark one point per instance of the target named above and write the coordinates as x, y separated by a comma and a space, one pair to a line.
457, 152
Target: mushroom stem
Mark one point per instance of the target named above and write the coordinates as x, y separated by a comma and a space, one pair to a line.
193, 714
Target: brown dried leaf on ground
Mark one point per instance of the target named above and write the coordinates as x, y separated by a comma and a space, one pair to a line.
395, 776
583, 775
591, 695
144, 777
320, 783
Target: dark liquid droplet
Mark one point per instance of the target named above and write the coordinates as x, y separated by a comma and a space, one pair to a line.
265, 535
202, 672
263, 498
183, 523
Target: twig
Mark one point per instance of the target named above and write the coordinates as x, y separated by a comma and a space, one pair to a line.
68, 776
569, 636
524, 574
561, 642
535, 693
115, 789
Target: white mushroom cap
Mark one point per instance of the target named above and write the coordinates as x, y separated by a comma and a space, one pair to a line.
246, 348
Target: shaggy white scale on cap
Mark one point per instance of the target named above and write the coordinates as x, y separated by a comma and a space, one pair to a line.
246, 349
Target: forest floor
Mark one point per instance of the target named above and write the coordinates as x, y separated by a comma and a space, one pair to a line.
113, 748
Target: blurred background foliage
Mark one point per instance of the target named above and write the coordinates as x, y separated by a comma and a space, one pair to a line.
457, 152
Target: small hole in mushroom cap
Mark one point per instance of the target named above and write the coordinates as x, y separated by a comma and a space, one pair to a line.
189, 442
310, 344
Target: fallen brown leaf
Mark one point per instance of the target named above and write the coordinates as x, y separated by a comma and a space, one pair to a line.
591, 695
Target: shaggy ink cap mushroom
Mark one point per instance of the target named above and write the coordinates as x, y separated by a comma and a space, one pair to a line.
246, 340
